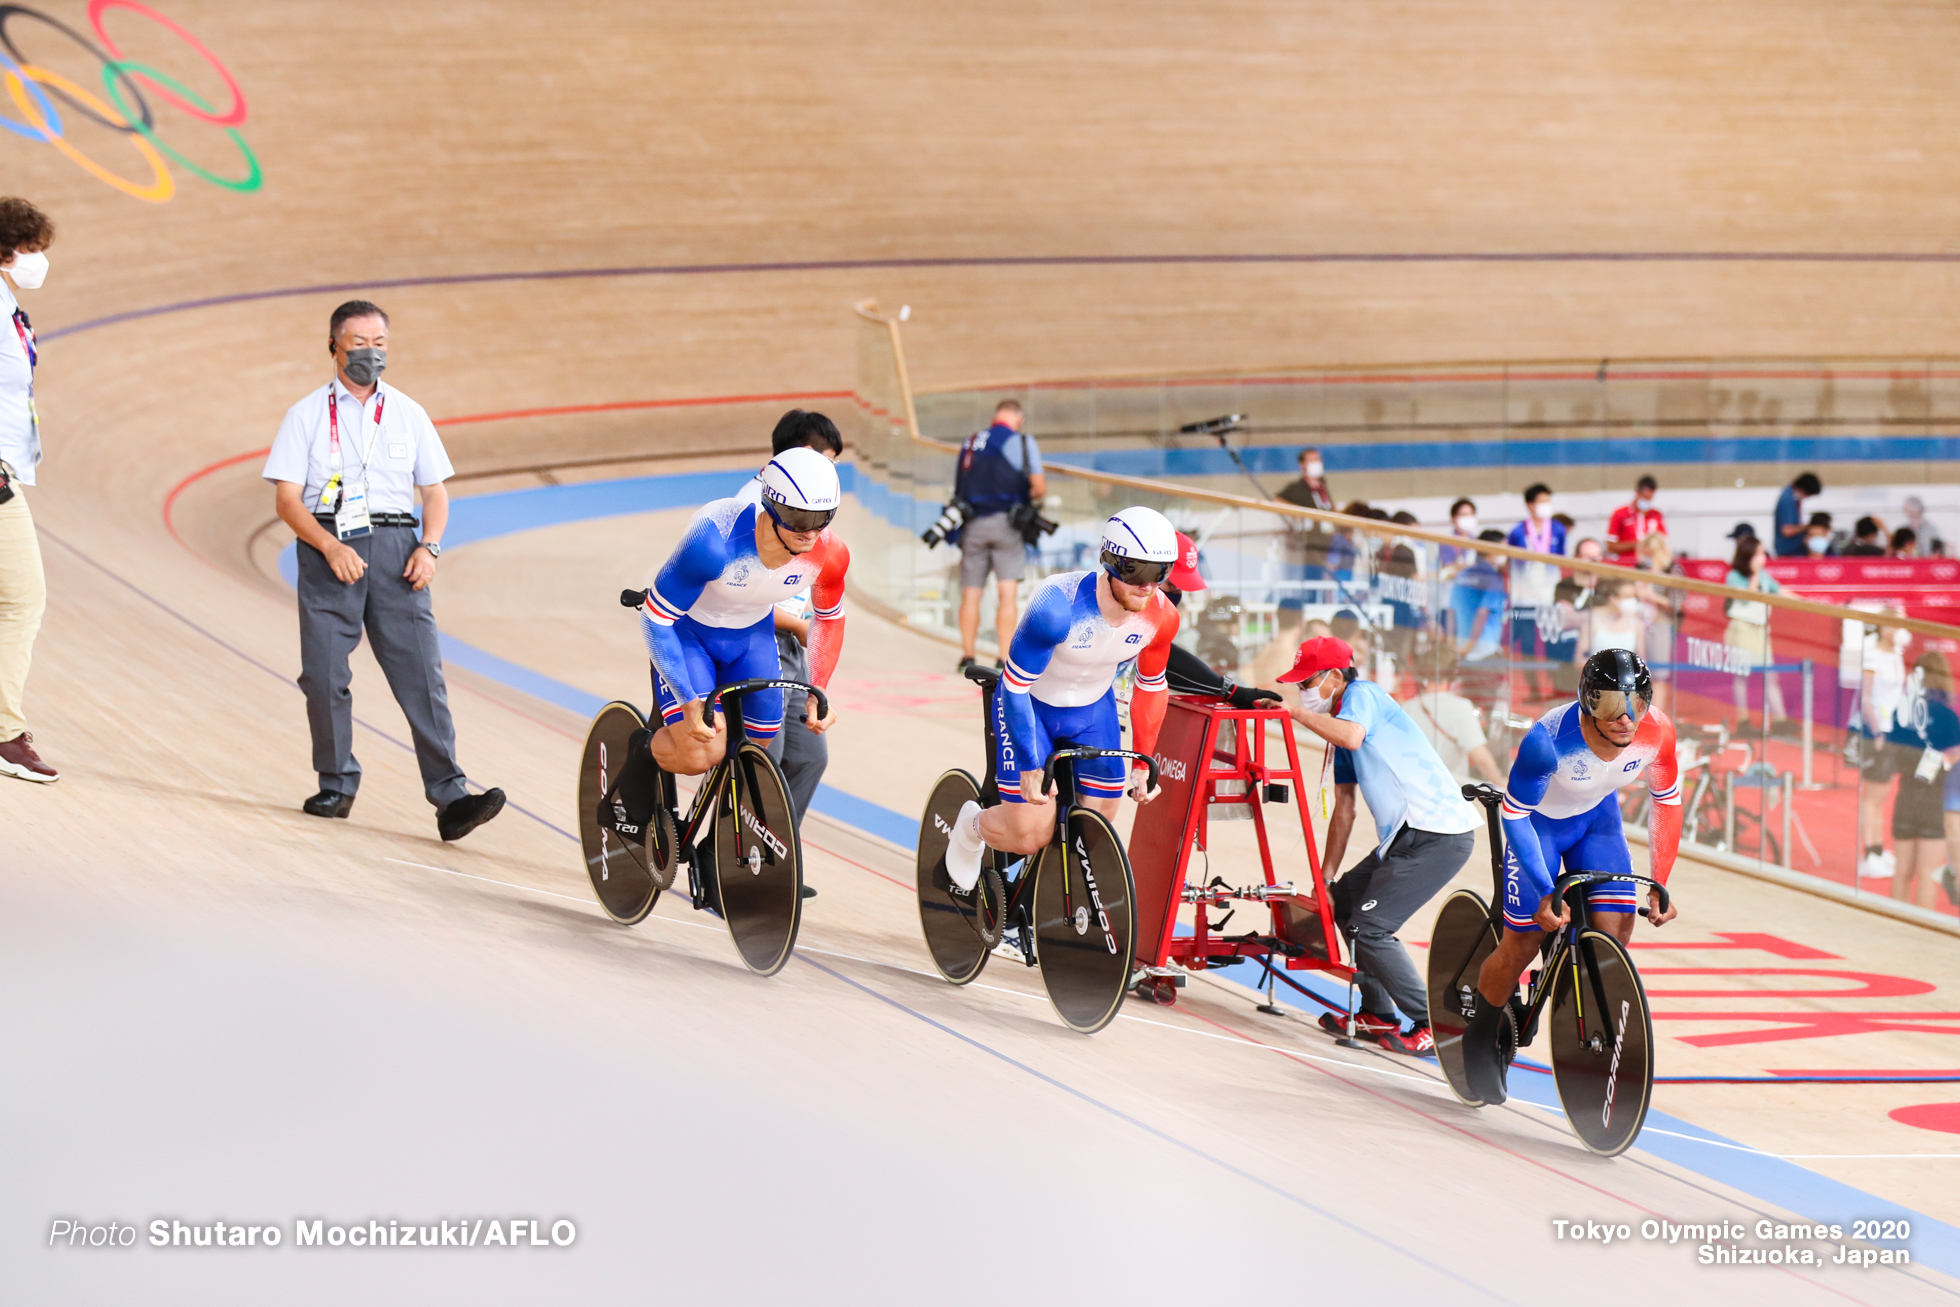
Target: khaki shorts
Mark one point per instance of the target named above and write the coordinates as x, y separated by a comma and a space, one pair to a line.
991, 544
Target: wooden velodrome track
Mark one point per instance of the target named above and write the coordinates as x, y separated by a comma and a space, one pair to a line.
219, 1008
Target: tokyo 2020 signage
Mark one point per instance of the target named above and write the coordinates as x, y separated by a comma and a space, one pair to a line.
47, 102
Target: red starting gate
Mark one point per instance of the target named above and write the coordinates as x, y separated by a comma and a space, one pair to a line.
1211, 756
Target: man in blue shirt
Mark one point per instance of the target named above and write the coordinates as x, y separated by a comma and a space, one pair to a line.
1424, 828
1788, 538
999, 471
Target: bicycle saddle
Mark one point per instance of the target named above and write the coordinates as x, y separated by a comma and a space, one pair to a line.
984, 677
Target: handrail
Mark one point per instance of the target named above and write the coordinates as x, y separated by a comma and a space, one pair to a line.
1383, 373
868, 309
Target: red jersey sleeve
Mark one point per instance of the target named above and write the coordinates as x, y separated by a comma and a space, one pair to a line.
827, 602
1664, 812
1152, 691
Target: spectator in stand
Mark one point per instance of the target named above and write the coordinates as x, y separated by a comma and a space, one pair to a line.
1533, 584
1924, 742
1307, 543
1868, 539
1451, 559
1449, 721
1398, 583
1278, 653
1790, 525
1661, 611
1930, 543
1613, 621
1346, 627
1817, 536
1342, 551
1881, 684
1634, 522
1748, 629
1309, 489
1586, 551
1559, 627
1477, 603
1905, 544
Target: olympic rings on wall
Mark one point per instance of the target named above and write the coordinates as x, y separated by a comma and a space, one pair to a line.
34, 91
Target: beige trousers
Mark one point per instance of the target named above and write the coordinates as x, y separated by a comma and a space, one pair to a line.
23, 599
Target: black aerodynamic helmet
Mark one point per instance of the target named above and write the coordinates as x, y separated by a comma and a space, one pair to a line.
1615, 684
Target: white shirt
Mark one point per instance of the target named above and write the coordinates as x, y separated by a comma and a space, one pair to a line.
407, 451
1450, 722
20, 445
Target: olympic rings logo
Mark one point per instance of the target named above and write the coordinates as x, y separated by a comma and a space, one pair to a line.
126, 110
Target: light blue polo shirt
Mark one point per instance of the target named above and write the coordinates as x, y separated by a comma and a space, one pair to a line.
1400, 774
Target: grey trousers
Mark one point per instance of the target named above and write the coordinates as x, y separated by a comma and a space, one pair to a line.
1377, 895
401, 623
800, 752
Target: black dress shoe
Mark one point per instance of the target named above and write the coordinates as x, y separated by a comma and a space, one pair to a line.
328, 804
467, 813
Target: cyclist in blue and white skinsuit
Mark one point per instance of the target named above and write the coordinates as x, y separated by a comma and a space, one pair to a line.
1079, 629
709, 616
1562, 808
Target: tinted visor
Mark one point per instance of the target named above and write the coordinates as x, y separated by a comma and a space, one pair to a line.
1135, 571
799, 519
1611, 705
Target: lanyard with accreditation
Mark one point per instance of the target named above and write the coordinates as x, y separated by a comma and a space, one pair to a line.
350, 510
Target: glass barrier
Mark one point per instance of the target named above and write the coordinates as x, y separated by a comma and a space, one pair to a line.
1816, 744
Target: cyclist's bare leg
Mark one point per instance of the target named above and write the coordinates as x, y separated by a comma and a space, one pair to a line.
1018, 827
1498, 980
687, 748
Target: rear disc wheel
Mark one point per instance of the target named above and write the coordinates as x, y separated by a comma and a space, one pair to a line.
626, 876
1602, 1061
1085, 922
758, 861
1462, 939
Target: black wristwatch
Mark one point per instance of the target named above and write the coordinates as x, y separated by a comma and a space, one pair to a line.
435, 550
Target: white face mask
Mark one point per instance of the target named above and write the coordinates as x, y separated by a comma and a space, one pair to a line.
1627, 607
1644, 502
1542, 510
1818, 544
1314, 701
1900, 639
1315, 470
29, 270
1467, 524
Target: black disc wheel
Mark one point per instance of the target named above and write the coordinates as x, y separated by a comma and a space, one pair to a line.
758, 861
626, 873
1462, 939
1602, 1044
960, 929
1085, 922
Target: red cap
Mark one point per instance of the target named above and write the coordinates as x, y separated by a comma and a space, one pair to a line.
1184, 572
1323, 654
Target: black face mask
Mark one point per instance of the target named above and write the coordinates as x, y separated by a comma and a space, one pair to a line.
365, 366
1172, 593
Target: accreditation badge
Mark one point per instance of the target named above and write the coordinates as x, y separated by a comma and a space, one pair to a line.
351, 521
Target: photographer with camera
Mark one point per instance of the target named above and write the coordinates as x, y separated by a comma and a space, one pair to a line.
999, 484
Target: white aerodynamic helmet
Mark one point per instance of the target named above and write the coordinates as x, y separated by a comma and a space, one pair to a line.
1139, 545
800, 490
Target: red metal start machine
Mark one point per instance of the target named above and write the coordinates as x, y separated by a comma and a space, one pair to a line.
1213, 765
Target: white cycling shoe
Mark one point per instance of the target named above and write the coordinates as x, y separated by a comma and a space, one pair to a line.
965, 849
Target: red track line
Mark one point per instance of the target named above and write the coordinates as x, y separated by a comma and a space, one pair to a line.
702, 401
1491, 1143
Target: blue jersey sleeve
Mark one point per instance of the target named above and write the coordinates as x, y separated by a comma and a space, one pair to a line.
702, 555
1531, 776
1044, 626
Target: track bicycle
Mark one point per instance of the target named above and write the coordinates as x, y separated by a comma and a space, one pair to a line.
1069, 909
1602, 1033
739, 841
